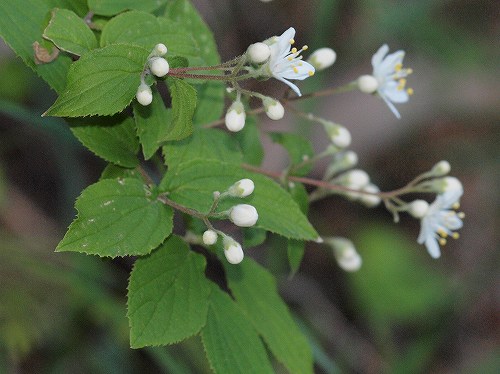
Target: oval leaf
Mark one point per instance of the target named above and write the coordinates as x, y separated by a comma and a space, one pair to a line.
112, 7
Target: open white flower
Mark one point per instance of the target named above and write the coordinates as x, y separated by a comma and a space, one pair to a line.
390, 75
286, 62
440, 221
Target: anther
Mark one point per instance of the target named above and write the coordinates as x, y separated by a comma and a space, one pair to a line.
294, 50
442, 241
398, 67
295, 70
292, 41
305, 48
442, 233
456, 206
311, 73
461, 215
409, 91
455, 235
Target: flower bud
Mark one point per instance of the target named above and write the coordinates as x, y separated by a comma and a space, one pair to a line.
441, 168
345, 253
355, 178
258, 52
243, 215
274, 109
322, 58
160, 49
370, 201
367, 84
418, 208
235, 117
209, 237
339, 135
242, 188
447, 184
158, 66
232, 250
144, 94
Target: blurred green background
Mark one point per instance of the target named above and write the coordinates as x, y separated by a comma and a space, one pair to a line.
401, 313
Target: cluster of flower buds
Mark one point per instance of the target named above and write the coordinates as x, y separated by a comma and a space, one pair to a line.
345, 253
242, 215
156, 65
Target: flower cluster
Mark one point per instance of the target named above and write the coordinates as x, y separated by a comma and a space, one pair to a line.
156, 65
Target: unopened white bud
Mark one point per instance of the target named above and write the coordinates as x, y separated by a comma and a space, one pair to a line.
258, 52
418, 208
242, 188
160, 49
159, 66
274, 109
356, 178
350, 158
339, 135
441, 168
235, 117
209, 237
232, 250
345, 253
144, 94
447, 184
367, 83
370, 201
322, 58
243, 215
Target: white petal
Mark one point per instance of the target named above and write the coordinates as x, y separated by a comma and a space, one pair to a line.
284, 41
389, 63
379, 56
290, 84
433, 247
394, 94
390, 105
302, 73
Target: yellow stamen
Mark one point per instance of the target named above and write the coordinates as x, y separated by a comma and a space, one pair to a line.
295, 70
409, 91
461, 215
311, 73
294, 50
442, 233
290, 58
401, 85
292, 41
398, 67
456, 206
409, 71
301, 63
455, 235
442, 241
304, 48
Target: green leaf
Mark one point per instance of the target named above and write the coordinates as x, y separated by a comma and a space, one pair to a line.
254, 289
210, 105
154, 123
112, 7
167, 295
103, 82
193, 183
146, 30
21, 24
231, 342
112, 138
117, 217
183, 106
295, 251
206, 144
69, 32
253, 237
113, 171
249, 139
298, 149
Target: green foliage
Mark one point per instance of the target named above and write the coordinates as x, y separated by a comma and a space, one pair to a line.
255, 292
118, 217
112, 7
69, 32
168, 295
193, 183
298, 148
103, 82
230, 340
251, 146
183, 106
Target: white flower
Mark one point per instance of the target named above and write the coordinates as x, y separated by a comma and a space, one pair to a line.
446, 185
274, 109
159, 66
390, 75
209, 237
232, 250
242, 188
258, 52
144, 94
322, 58
235, 117
285, 62
243, 215
345, 253
440, 221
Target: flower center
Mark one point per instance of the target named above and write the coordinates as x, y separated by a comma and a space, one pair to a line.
400, 75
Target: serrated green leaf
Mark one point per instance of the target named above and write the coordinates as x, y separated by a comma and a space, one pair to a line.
231, 342
206, 144
254, 289
117, 217
112, 138
295, 252
146, 30
154, 123
113, 171
183, 106
298, 148
21, 24
253, 237
102, 82
193, 183
112, 7
69, 32
167, 295
210, 105
250, 144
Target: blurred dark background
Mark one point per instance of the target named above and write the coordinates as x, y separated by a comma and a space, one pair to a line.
402, 312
